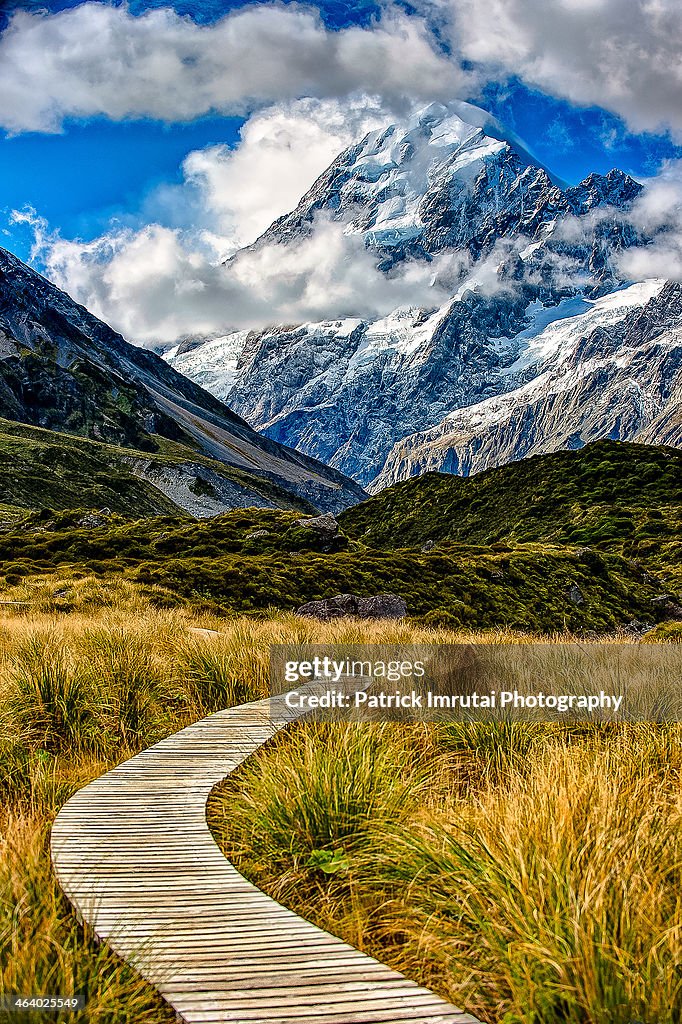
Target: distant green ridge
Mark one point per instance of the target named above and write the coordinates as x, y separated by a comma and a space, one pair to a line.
615, 495
44, 469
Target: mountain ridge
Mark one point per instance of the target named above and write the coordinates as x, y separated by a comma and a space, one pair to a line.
63, 369
366, 396
409, 190
616, 379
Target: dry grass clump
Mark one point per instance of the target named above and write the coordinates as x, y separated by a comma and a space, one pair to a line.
524, 871
531, 874
80, 692
80, 591
43, 949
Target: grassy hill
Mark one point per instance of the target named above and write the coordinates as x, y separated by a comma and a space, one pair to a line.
252, 560
580, 541
615, 496
44, 469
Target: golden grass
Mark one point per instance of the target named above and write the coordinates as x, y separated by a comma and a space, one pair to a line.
43, 948
79, 692
419, 867
528, 874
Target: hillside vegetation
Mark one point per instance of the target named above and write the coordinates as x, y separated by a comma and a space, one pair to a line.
42, 468
223, 565
584, 541
616, 496
596, 494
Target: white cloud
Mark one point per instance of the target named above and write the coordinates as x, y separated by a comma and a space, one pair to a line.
97, 59
100, 60
155, 286
663, 260
282, 150
657, 214
623, 55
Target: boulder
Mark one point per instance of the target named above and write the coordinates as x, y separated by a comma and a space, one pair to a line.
380, 606
326, 535
93, 520
325, 525
635, 629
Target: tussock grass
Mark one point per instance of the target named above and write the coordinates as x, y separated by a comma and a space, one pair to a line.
45, 950
335, 781
80, 692
554, 896
532, 874
491, 863
80, 591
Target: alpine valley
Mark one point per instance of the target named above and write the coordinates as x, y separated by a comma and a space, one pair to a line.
509, 399
535, 340
90, 420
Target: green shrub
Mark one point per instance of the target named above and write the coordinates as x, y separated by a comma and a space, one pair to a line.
442, 617
665, 632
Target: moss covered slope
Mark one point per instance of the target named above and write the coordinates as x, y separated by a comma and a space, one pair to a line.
44, 469
616, 496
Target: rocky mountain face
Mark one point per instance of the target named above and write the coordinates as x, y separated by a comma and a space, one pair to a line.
542, 345
447, 181
614, 371
63, 369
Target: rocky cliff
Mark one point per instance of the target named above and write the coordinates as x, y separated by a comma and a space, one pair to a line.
541, 343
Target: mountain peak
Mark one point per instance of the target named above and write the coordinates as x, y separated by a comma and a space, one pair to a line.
428, 183
536, 295
445, 116
615, 189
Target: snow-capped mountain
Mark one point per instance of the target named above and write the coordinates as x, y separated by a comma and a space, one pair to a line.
449, 179
541, 344
614, 370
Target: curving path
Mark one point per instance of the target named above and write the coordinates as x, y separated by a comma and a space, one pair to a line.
133, 853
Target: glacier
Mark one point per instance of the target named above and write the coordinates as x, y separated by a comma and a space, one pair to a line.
541, 345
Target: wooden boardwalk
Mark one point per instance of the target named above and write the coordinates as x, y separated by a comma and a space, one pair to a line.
134, 855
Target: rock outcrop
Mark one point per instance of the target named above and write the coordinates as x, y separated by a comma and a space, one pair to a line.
380, 606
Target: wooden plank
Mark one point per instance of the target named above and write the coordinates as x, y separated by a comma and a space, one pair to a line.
133, 853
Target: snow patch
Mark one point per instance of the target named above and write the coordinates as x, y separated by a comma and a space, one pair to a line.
555, 330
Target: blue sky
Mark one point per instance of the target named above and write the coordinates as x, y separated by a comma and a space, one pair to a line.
95, 172
99, 170
588, 86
